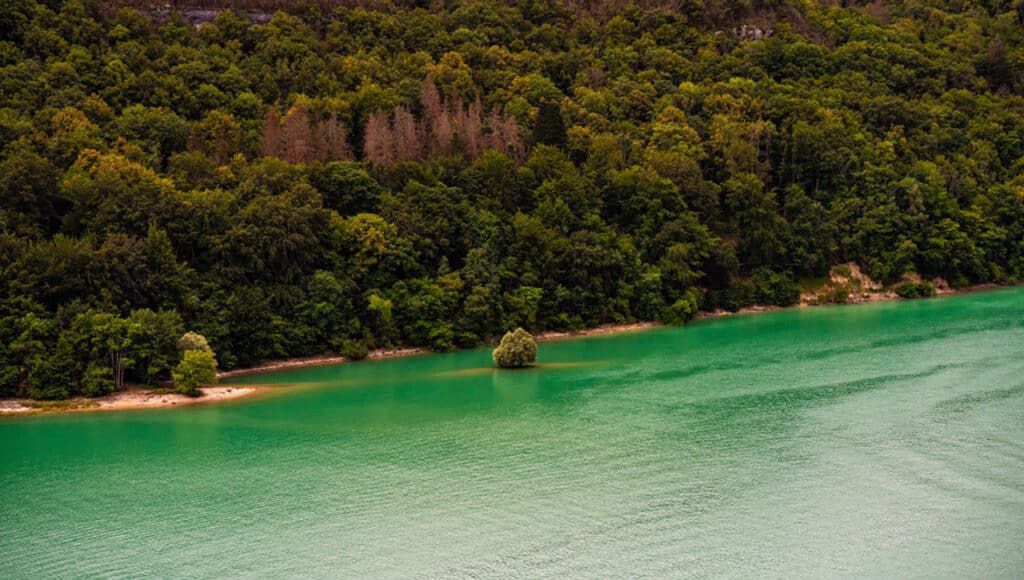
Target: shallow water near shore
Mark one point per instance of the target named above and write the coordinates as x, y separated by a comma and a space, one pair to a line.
876, 440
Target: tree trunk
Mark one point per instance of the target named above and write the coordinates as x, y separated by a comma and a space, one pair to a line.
118, 368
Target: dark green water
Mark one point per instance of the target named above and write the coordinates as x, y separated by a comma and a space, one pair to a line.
872, 441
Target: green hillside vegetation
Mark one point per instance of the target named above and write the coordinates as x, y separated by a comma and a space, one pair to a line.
341, 179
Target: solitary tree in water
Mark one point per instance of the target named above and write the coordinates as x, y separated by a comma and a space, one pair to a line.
517, 349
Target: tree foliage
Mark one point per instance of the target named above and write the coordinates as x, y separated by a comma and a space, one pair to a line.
516, 350
197, 368
347, 176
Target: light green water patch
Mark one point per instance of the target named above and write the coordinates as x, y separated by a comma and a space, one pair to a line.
884, 440
533, 368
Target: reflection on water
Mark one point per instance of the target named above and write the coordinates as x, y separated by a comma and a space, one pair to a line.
535, 368
882, 441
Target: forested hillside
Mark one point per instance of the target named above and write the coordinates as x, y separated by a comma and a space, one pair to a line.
344, 178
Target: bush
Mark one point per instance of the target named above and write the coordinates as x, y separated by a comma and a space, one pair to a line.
738, 295
353, 349
681, 311
915, 290
98, 380
838, 294
833, 293
48, 378
517, 349
441, 338
197, 368
776, 289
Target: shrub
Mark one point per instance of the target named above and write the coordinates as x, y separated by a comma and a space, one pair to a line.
833, 293
353, 349
98, 380
517, 349
48, 378
738, 295
197, 368
777, 289
441, 338
681, 311
915, 290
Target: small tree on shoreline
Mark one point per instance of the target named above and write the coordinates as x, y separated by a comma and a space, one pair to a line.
198, 365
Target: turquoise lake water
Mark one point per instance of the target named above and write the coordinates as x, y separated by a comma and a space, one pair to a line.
884, 440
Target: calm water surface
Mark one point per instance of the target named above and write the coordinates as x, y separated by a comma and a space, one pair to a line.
872, 441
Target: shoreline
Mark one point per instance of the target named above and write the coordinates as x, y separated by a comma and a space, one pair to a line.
315, 361
402, 352
138, 398
132, 398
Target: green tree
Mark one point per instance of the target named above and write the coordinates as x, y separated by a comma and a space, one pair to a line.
682, 310
346, 187
97, 380
193, 341
197, 368
517, 349
106, 339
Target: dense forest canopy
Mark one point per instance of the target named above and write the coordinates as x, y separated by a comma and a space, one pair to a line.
347, 177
